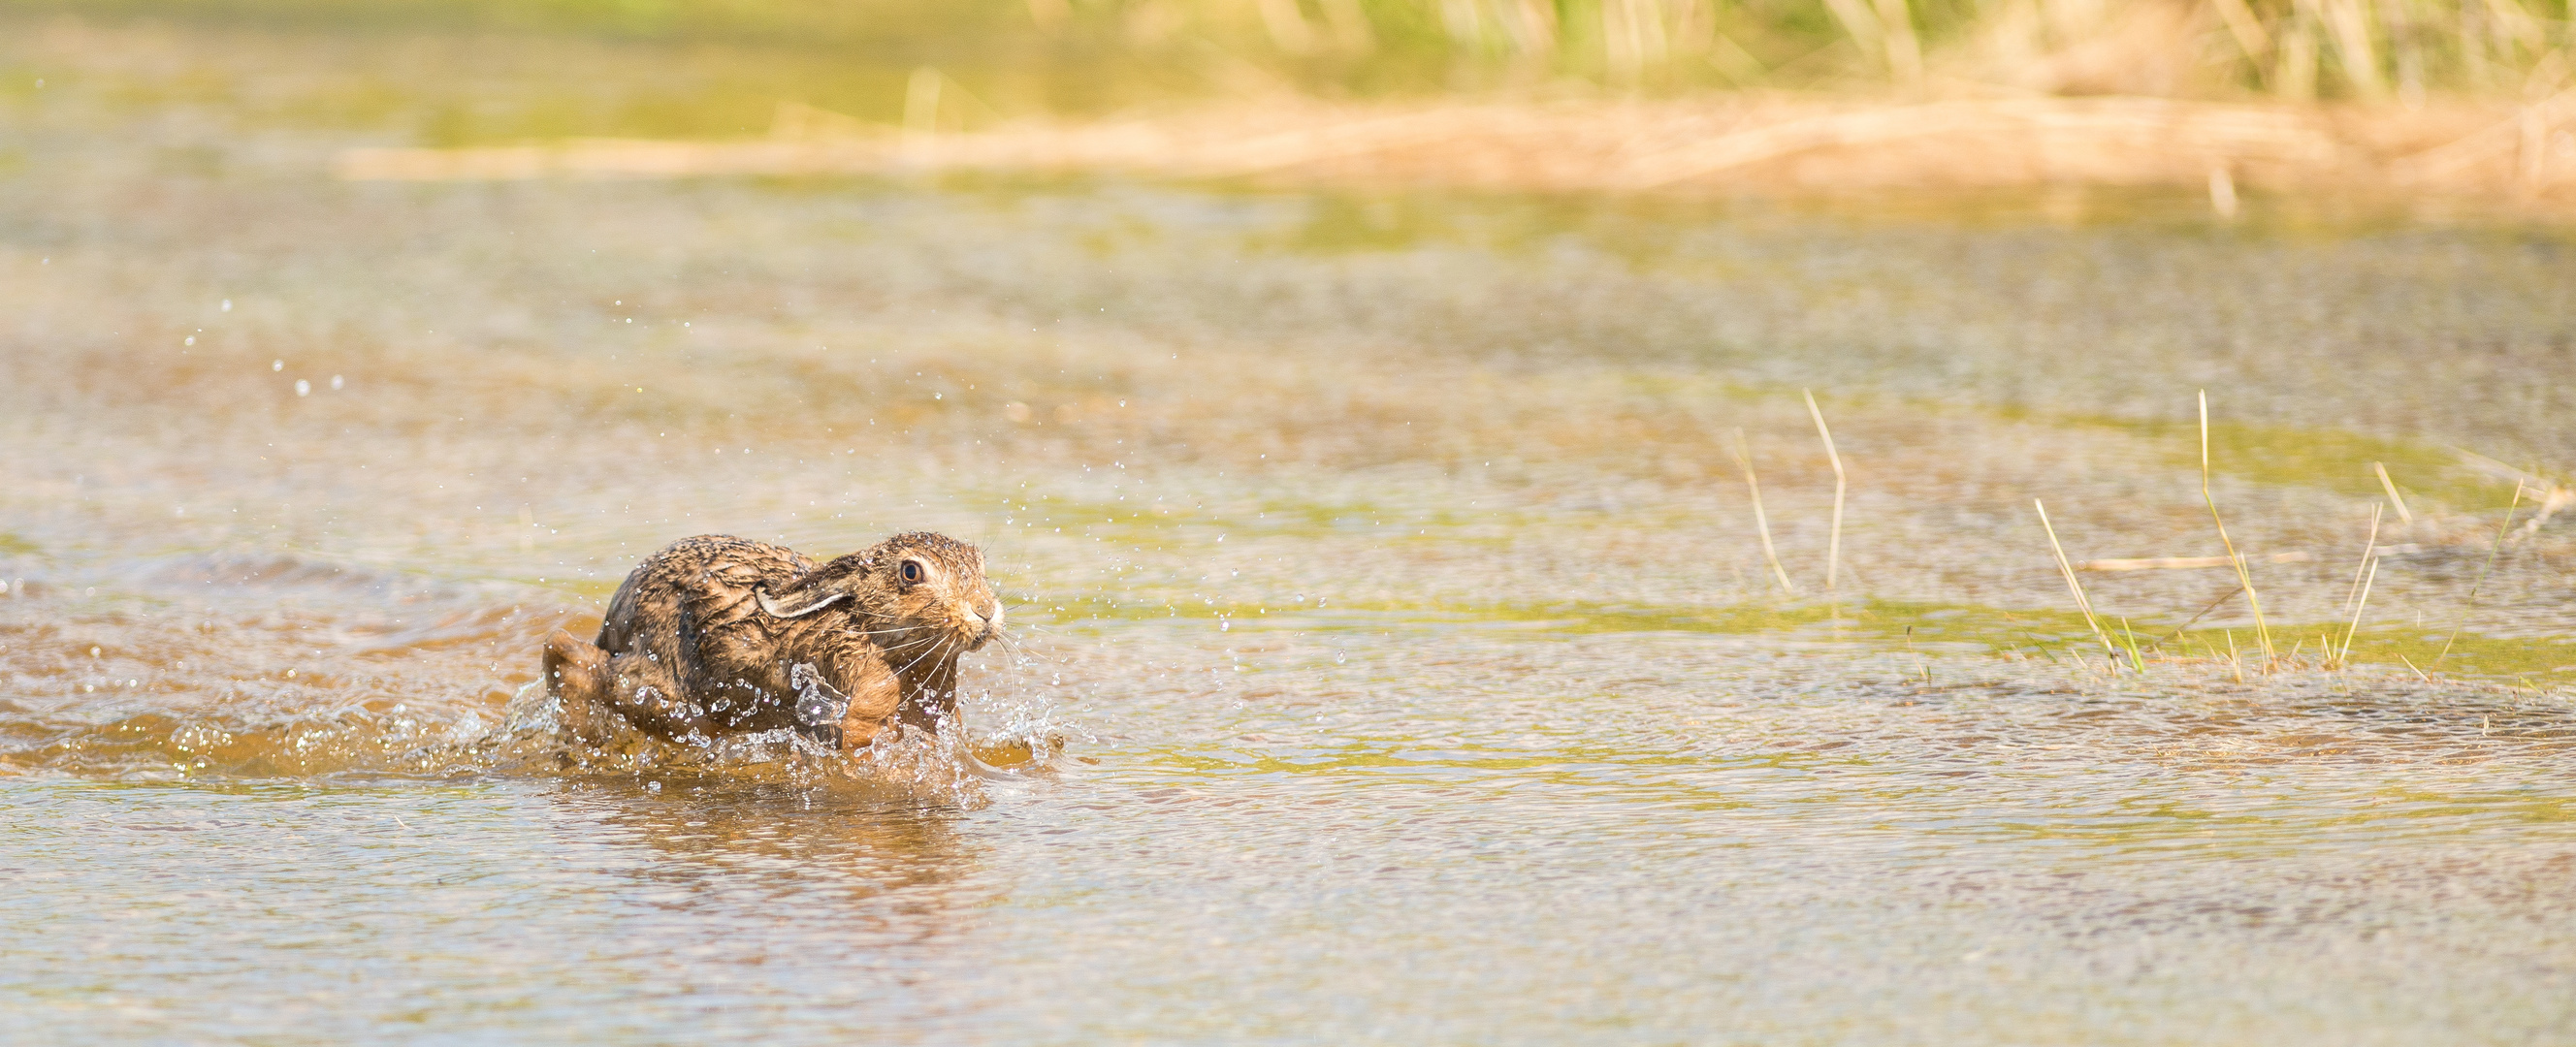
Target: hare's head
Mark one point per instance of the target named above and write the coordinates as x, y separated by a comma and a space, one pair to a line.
917, 589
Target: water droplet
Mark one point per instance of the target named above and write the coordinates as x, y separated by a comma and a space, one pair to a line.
335, 381
277, 365
228, 305
190, 340
303, 388
1223, 625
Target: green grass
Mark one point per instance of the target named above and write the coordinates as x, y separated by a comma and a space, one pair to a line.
1086, 52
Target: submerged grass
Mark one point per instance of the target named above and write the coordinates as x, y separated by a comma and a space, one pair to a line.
2343, 640
2498, 657
2344, 462
1867, 623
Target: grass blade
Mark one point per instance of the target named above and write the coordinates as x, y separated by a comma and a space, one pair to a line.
1833, 544
1744, 459
2393, 497
2068, 569
2262, 631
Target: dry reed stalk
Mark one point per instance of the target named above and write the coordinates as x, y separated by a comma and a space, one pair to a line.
2368, 548
2390, 486
1761, 521
2233, 661
1904, 54
921, 114
1287, 26
2481, 579
1834, 543
2262, 632
2349, 20
2248, 30
2073, 586
2419, 673
2344, 658
1861, 21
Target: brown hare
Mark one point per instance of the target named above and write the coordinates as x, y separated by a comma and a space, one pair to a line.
717, 636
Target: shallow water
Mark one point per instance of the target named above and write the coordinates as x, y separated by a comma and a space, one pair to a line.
1385, 578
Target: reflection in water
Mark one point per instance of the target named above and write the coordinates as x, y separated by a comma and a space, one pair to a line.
878, 868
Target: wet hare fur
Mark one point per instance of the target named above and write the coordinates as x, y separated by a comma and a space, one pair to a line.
718, 635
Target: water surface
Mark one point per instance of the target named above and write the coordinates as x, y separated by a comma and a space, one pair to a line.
1401, 650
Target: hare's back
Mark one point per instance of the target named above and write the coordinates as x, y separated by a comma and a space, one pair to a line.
706, 581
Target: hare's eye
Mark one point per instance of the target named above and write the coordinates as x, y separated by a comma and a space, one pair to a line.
910, 572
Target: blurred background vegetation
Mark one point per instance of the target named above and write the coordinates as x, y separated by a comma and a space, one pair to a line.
1010, 58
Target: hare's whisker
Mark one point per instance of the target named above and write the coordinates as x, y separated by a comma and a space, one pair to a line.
934, 647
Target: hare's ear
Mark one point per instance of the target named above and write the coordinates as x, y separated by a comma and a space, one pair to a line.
804, 604
817, 589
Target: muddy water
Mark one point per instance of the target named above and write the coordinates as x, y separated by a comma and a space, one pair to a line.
1401, 660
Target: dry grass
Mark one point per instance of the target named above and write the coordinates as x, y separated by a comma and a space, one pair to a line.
2331, 655
1761, 520
2244, 578
1834, 543
1719, 144
2387, 95
2372, 50
2072, 585
2401, 96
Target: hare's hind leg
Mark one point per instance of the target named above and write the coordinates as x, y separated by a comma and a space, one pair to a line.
577, 675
